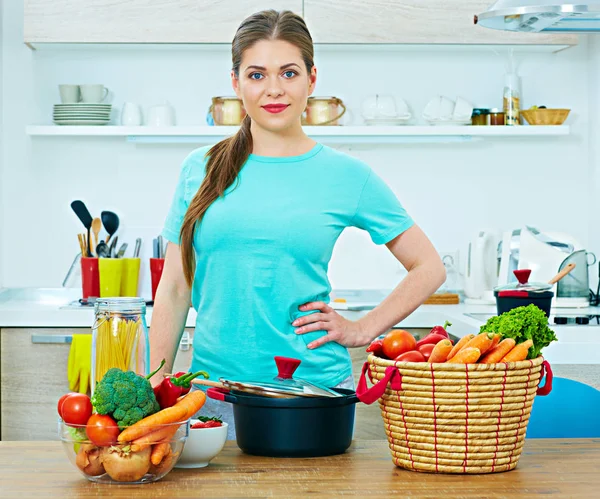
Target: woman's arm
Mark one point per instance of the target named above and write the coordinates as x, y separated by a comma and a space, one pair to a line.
426, 273
171, 307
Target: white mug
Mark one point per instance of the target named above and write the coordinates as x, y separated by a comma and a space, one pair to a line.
93, 93
131, 115
160, 115
69, 94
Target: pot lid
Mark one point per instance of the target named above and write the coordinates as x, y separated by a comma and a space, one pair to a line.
534, 16
281, 384
523, 283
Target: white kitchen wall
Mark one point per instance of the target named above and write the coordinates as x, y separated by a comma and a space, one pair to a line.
452, 190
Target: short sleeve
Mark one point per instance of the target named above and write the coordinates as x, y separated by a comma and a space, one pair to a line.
179, 205
379, 211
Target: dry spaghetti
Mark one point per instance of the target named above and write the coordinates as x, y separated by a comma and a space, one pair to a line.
117, 344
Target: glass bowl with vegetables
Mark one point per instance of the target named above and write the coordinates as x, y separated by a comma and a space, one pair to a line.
124, 433
95, 450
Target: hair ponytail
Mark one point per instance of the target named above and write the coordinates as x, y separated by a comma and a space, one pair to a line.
226, 158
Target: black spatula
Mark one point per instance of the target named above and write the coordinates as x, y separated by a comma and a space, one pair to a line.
86, 219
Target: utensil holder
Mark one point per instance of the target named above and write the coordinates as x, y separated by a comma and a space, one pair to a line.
156, 269
111, 273
90, 278
130, 276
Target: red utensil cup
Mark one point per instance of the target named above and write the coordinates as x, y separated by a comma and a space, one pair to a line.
90, 277
156, 269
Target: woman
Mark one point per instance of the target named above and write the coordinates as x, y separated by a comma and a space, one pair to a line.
253, 224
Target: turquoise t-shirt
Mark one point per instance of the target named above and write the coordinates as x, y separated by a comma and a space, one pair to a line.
263, 250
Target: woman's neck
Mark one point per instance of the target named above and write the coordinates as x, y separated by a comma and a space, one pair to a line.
290, 142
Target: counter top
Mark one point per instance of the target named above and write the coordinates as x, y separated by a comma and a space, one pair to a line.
58, 308
560, 468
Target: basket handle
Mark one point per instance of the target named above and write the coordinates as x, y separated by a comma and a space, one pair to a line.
369, 395
547, 388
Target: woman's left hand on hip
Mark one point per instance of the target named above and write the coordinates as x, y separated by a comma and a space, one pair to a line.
339, 329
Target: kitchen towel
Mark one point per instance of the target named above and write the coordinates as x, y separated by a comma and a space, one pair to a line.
80, 363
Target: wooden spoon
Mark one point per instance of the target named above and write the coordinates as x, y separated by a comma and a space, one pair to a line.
562, 273
96, 228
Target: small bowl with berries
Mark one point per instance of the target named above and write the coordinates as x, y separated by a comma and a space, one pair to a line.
206, 440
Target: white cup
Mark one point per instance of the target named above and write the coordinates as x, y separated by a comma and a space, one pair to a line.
69, 94
439, 108
131, 114
462, 109
160, 115
93, 93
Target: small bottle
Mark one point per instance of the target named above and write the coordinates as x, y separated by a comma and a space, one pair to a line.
512, 100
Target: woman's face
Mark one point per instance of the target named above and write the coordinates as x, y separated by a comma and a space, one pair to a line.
274, 84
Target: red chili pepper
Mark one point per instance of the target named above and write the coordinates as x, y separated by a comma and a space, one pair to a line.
376, 347
174, 387
431, 338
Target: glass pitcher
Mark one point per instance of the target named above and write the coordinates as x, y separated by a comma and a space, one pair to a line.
119, 337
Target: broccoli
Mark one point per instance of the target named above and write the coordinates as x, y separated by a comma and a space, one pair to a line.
124, 395
523, 323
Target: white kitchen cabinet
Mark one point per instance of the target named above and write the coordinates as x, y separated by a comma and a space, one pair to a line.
141, 21
34, 376
411, 22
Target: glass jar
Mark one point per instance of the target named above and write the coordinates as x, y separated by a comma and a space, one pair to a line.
119, 337
227, 111
496, 117
323, 111
480, 117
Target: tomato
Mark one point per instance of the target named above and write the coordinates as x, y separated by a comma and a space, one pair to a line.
76, 409
426, 350
102, 430
60, 403
397, 342
412, 356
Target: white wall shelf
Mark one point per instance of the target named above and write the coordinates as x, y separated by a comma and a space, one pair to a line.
332, 134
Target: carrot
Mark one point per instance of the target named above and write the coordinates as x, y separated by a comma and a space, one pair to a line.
164, 433
497, 353
440, 351
158, 452
192, 402
466, 356
519, 352
483, 341
461, 343
495, 341
144, 426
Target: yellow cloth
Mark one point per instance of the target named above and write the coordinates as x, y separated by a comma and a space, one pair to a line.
80, 363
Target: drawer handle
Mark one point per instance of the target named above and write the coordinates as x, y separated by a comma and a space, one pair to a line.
54, 338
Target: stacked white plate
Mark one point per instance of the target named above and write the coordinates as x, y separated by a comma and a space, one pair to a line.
81, 113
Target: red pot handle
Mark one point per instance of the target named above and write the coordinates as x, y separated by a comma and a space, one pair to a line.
547, 388
222, 395
369, 395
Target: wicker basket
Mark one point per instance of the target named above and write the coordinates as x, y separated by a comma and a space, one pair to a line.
454, 418
545, 116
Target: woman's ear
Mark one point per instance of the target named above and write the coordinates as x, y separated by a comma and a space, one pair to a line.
312, 80
235, 84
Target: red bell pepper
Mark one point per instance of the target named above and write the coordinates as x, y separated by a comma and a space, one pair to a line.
174, 387
437, 334
441, 329
376, 347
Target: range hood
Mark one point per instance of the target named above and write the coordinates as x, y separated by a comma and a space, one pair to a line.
534, 16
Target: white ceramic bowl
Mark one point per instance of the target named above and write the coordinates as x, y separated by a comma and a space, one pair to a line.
202, 446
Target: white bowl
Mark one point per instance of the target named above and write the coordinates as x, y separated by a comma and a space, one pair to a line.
202, 446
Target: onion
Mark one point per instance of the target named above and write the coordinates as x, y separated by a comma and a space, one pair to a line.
88, 460
123, 465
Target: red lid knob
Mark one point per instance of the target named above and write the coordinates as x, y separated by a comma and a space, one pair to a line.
286, 366
522, 275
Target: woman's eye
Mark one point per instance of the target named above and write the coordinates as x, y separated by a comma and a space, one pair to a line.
255, 76
289, 74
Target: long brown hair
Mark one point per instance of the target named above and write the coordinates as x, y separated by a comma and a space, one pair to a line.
226, 158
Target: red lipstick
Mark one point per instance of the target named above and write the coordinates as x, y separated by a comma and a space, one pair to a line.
275, 108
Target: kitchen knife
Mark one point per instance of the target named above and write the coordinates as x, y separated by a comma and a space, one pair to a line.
122, 250
138, 247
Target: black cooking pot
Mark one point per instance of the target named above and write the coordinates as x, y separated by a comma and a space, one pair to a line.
291, 427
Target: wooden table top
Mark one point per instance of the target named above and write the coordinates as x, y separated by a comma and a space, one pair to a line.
560, 468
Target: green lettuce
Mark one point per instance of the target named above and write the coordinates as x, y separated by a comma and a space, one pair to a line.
523, 323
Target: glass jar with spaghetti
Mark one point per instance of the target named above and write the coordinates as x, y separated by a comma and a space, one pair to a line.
119, 337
